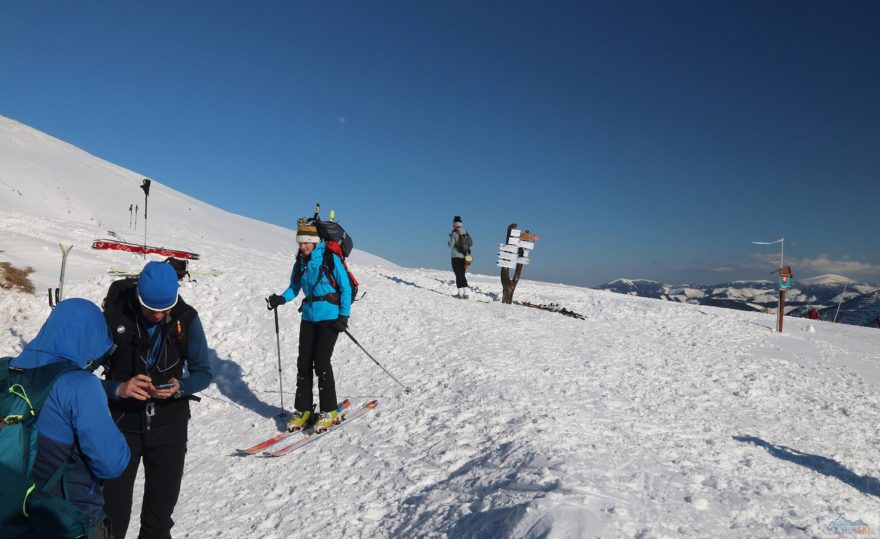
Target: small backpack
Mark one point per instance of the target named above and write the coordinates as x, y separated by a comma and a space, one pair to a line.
465, 243
180, 265
23, 505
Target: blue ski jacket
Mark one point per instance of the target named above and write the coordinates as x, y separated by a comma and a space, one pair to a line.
76, 407
318, 311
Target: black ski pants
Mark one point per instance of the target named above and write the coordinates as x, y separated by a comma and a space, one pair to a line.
316, 342
458, 268
163, 452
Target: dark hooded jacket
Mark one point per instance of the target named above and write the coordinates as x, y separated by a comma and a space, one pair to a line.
75, 411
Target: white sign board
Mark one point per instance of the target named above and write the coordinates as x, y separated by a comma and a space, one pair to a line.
508, 255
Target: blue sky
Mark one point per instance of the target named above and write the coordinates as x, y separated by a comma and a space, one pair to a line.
638, 139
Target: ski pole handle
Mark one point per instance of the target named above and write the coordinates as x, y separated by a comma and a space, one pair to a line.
271, 308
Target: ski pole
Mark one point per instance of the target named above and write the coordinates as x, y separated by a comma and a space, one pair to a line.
278, 343
405, 388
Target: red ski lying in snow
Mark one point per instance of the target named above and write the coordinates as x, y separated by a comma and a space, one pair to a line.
116, 245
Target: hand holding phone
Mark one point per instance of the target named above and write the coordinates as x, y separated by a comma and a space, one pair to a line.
164, 389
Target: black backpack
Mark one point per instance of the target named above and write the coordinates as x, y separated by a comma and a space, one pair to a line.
331, 231
180, 265
465, 243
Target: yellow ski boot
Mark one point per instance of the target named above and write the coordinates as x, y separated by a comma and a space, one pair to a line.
299, 420
326, 420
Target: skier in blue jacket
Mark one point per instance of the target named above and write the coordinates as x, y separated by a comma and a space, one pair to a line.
325, 312
76, 408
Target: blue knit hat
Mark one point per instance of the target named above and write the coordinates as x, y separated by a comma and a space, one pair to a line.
157, 286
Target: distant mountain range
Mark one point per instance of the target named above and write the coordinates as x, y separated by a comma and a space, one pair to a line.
860, 303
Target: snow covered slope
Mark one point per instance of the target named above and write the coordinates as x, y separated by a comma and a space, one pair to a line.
646, 419
78, 198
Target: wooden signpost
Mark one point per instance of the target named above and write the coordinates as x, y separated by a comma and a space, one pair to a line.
784, 283
514, 255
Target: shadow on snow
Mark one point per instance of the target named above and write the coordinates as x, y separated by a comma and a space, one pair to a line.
823, 465
228, 377
499, 472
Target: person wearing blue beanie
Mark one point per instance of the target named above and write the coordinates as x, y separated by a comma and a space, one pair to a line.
158, 337
157, 286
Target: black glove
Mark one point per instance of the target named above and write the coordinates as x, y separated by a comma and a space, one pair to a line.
340, 324
274, 301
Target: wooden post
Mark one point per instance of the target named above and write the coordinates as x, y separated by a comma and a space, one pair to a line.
781, 313
508, 285
785, 277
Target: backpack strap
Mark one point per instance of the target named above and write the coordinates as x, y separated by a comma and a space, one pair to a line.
71, 459
329, 298
326, 270
39, 382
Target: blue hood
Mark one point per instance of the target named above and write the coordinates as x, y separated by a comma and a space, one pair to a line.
75, 331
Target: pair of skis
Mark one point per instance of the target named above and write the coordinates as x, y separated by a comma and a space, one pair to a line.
307, 438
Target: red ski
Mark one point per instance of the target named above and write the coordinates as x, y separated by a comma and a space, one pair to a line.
343, 405
117, 245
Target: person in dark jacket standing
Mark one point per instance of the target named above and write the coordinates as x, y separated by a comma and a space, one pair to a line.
458, 257
156, 334
75, 410
325, 312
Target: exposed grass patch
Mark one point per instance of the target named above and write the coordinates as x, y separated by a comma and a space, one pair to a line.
12, 278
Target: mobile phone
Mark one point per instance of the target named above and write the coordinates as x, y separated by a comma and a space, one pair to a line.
164, 386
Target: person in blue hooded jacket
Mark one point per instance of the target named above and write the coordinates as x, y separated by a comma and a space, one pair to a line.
75, 410
325, 311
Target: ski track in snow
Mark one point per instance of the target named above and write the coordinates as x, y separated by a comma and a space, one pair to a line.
647, 419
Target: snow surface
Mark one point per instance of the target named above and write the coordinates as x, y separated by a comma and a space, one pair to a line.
646, 419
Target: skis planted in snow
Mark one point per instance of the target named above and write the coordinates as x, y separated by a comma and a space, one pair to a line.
281, 436
59, 292
366, 407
